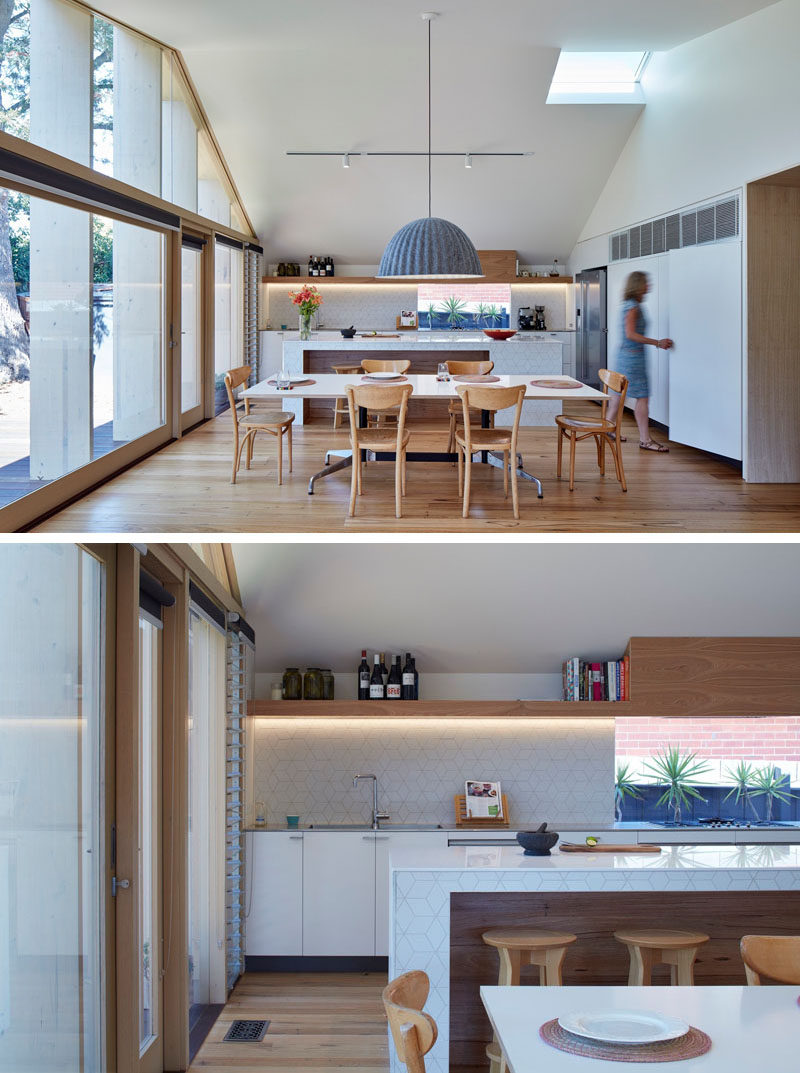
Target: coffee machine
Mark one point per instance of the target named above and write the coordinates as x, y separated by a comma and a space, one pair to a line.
525, 319
538, 319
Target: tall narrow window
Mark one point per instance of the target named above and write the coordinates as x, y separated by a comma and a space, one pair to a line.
228, 316
53, 872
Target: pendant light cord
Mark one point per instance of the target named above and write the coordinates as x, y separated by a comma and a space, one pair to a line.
429, 118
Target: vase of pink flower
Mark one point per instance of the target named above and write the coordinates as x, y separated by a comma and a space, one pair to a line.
308, 300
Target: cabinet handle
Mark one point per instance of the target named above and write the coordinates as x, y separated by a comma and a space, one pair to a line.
295, 838
375, 838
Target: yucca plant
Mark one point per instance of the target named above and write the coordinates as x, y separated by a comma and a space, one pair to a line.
454, 308
677, 772
481, 313
624, 786
494, 314
742, 777
431, 314
773, 786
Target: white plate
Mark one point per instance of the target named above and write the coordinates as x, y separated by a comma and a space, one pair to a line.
383, 376
296, 378
624, 1026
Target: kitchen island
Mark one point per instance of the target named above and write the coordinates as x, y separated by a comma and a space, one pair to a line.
523, 353
442, 901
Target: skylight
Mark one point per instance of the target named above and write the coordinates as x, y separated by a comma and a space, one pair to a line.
598, 78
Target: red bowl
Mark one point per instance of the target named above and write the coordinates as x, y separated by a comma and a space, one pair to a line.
499, 333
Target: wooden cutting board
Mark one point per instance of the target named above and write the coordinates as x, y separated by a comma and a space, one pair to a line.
574, 847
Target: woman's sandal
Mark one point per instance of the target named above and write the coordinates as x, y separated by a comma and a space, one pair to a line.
612, 436
651, 445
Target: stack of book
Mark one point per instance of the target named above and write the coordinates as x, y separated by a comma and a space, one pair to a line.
585, 680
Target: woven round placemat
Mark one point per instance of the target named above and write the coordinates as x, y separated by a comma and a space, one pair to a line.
693, 1044
384, 379
560, 384
296, 383
485, 378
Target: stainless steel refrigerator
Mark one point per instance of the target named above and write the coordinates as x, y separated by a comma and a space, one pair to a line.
591, 325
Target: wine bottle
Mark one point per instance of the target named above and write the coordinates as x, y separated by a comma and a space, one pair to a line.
408, 679
363, 676
384, 670
394, 684
376, 689
329, 266
416, 678
310, 265
323, 270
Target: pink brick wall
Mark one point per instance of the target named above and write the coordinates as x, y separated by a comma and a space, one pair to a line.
767, 738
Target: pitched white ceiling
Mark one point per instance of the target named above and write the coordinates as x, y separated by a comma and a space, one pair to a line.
275, 76
520, 608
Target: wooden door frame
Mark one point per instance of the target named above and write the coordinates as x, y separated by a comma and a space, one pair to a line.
182, 422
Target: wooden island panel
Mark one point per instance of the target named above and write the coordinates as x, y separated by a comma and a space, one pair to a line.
322, 361
597, 958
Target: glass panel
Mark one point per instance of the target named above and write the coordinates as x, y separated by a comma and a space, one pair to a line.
52, 868
206, 792
447, 306
103, 96
228, 314
213, 189
191, 328
179, 139
81, 339
149, 671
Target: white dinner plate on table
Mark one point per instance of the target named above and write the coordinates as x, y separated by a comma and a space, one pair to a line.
624, 1026
293, 378
383, 376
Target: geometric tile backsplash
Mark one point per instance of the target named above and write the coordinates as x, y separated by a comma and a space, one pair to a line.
559, 770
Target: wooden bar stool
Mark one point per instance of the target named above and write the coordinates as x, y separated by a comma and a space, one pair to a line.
650, 946
525, 946
340, 405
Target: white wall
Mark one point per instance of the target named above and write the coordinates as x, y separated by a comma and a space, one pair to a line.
721, 111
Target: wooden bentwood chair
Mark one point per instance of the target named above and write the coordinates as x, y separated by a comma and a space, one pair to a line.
274, 423
463, 368
469, 440
384, 365
774, 956
413, 1031
378, 398
575, 429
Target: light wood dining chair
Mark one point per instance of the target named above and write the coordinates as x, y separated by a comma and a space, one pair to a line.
774, 956
454, 411
414, 1032
469, 440
340, 405
384, 365
604, 432
275, 423
379, 398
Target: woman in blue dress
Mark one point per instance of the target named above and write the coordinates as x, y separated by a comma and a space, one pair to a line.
631, 361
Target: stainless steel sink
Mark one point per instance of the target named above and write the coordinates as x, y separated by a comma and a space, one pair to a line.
411, 827
338, 827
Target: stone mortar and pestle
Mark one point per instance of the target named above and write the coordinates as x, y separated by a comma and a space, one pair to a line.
537, 843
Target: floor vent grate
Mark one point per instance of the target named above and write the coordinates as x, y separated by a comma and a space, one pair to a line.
246, 1032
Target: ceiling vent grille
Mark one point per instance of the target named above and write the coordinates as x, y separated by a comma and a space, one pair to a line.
701, 225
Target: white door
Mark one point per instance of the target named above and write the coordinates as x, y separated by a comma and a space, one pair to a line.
656, 308
338, 893
274, 925
705, 379
385, 844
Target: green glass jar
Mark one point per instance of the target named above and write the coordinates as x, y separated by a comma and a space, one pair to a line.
327, 684
312, 684
292, 684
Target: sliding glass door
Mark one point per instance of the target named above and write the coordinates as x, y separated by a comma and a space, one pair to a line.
53, 861
192, 339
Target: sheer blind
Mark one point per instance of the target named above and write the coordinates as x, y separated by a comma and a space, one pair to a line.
252, 291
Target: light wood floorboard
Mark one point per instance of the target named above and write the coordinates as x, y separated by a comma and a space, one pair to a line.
186, 487
318, 1021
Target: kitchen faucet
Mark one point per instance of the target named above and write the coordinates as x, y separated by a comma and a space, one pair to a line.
376, 815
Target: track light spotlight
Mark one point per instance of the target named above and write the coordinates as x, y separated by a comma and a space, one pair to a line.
467, 160
346, 160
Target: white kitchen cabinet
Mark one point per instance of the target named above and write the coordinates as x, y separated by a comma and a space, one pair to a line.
385, 843
338, 893
705, 383
275, 893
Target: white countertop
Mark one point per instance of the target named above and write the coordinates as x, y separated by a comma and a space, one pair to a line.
672, 859
750, 1027
327, 340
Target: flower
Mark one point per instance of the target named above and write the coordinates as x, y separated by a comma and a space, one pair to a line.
308, 300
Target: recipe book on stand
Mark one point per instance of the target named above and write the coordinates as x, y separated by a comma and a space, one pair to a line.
587, 680
484, 800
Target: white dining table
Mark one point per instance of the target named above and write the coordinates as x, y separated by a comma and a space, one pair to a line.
425, 386
752, 1029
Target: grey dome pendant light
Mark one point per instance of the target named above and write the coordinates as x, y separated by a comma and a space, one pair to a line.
429, 248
